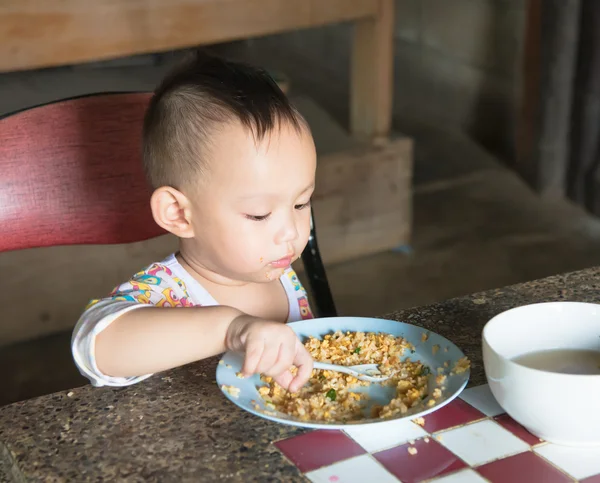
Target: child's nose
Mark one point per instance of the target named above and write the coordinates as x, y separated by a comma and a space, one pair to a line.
287, 233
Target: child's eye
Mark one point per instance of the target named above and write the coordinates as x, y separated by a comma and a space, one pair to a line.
258, 217
302, 206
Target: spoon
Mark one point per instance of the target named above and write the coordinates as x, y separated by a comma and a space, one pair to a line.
364, 372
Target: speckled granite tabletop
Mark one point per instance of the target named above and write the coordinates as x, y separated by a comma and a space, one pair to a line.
177, 426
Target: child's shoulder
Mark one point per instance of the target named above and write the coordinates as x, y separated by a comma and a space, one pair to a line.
164, 267
158, 284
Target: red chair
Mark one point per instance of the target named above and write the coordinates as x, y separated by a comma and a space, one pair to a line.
71, 174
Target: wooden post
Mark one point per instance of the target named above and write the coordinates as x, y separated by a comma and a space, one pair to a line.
550, 56
372, 74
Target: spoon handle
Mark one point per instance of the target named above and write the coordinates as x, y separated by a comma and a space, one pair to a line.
334, 367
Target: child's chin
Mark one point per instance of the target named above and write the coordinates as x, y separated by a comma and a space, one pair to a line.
273, 274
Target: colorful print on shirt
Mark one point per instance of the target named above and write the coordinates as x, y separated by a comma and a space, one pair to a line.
154, 286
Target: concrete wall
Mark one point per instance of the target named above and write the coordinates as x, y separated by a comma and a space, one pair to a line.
457, 63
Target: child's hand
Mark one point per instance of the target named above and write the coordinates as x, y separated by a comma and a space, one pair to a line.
271, 348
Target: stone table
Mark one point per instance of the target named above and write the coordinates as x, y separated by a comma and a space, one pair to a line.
177, 426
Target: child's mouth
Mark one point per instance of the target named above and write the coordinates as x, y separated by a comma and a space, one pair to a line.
282, 263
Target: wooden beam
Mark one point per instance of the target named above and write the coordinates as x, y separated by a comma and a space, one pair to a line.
372, 74
333, 11
43, 33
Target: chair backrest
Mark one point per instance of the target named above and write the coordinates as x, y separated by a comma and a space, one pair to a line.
71, 173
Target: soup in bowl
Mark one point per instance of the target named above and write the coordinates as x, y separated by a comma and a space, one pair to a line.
542, 362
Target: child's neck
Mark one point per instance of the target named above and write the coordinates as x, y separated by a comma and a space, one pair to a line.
205, 276
265, 300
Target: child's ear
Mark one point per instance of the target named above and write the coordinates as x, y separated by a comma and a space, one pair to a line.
172, 211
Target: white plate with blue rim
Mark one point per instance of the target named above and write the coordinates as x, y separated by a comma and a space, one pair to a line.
425, 351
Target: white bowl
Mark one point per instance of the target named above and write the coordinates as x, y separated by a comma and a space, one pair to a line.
559, 408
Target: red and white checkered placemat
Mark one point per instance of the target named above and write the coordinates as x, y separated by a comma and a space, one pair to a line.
471, 440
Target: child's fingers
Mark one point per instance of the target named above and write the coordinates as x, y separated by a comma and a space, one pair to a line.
284, 379
254, 351
304, 363
285, 359
268, 359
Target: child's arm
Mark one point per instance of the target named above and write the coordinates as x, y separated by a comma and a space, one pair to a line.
152, 340
149, 324
155, 339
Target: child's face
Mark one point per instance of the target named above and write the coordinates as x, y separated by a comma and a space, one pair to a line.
251, 211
